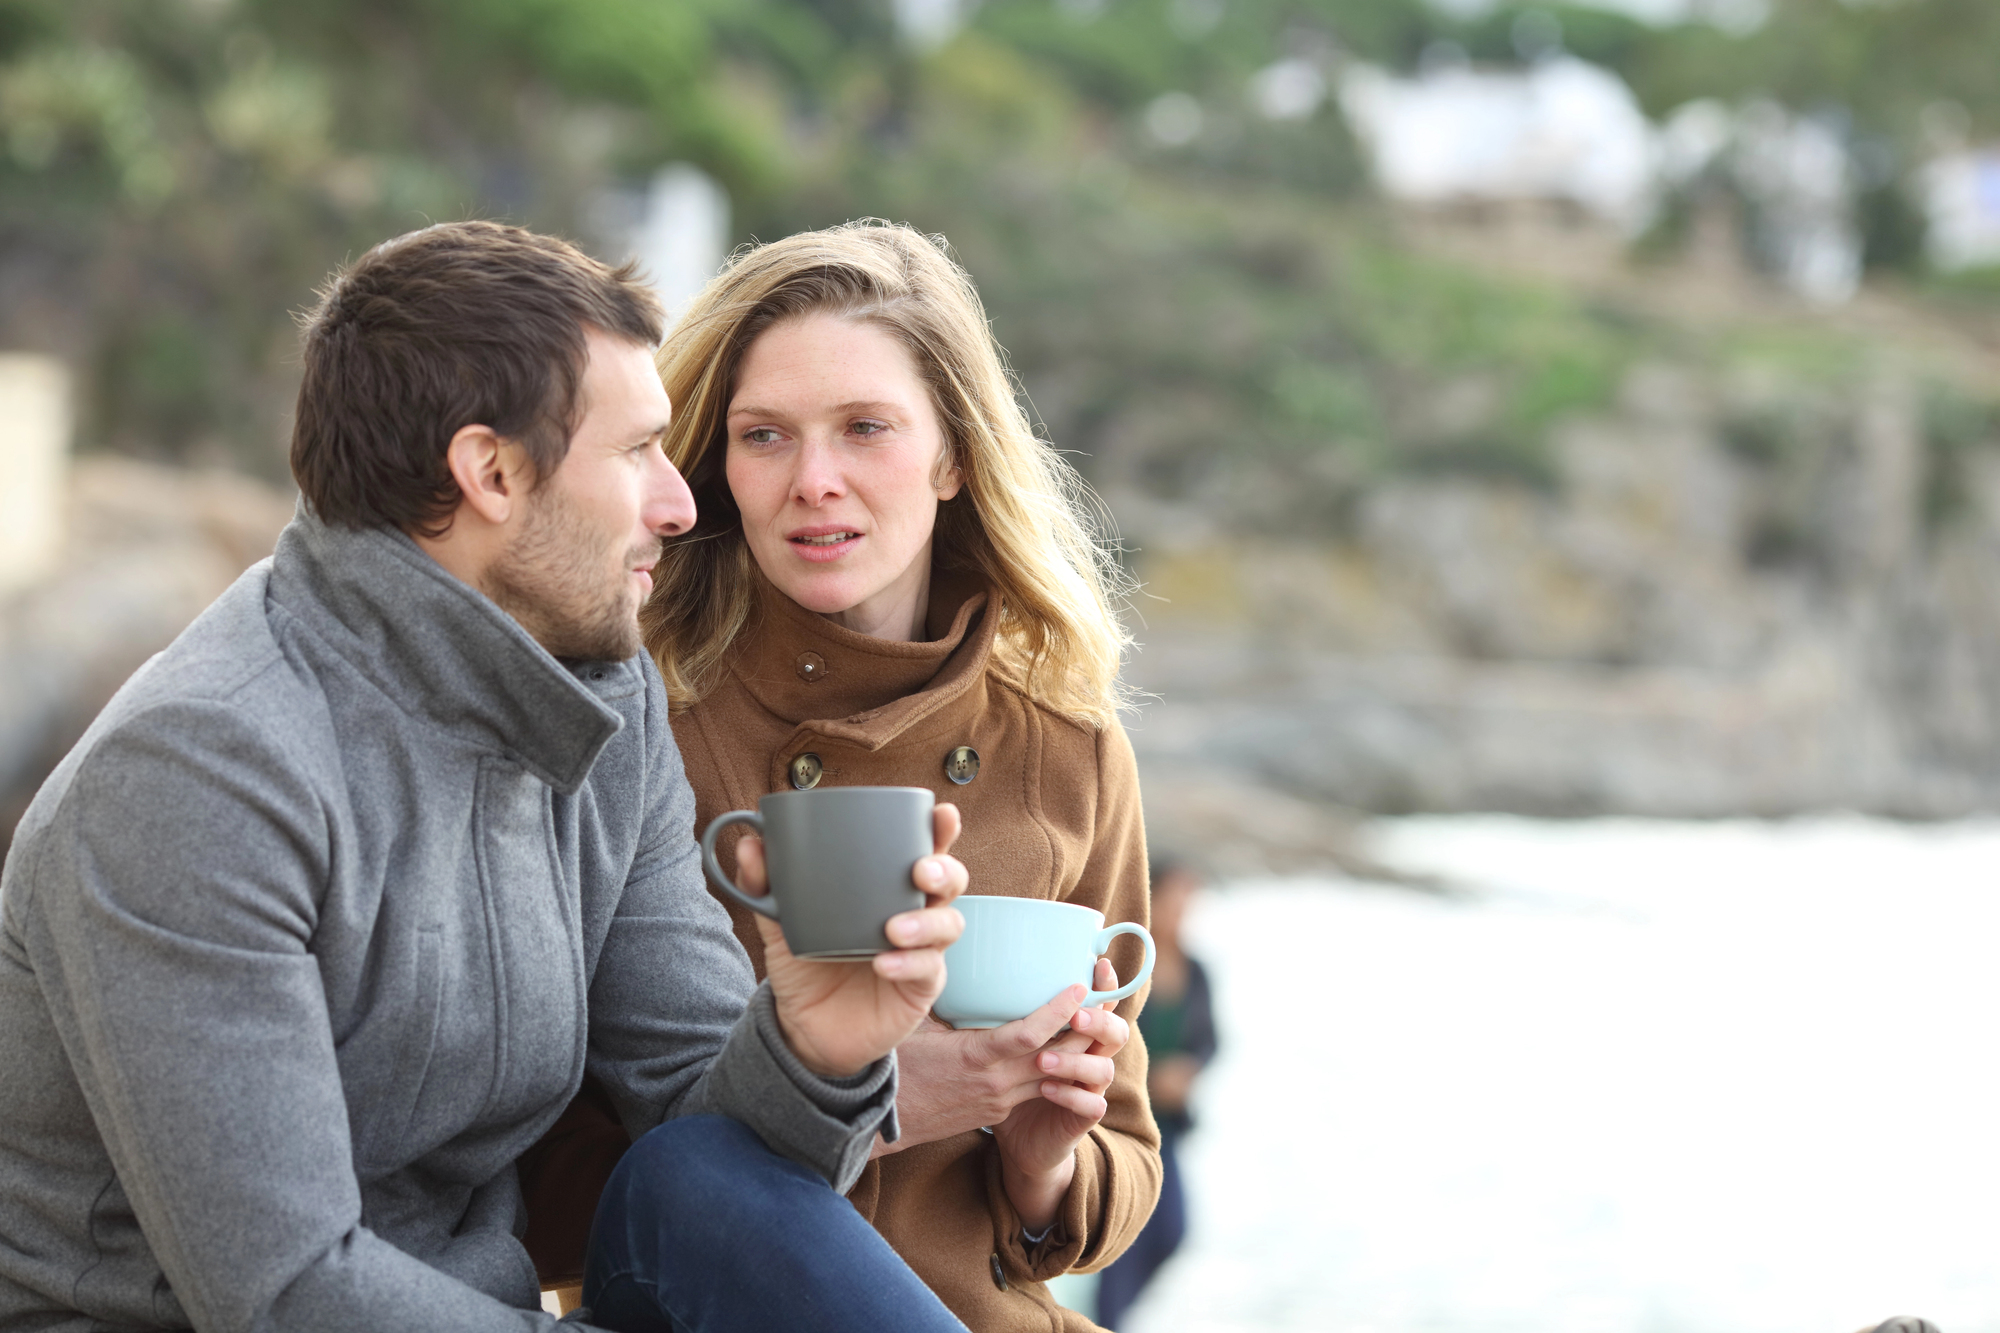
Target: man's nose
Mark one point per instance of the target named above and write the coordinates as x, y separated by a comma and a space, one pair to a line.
669, 507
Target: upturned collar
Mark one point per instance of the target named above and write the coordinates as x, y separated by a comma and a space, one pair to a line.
804, 668
443, 652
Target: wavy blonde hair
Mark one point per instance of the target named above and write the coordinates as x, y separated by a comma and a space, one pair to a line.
1023, 519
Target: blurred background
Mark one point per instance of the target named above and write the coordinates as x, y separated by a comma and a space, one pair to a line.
1559, 445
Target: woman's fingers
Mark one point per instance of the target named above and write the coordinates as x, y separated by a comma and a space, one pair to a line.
1025, 1036
1092, 1071
1077, 1101
1108, 1032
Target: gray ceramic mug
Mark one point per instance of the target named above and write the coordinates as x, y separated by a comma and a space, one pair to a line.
840, 862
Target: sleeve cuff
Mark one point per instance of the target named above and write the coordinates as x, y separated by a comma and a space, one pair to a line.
1064, 1245
827, 1125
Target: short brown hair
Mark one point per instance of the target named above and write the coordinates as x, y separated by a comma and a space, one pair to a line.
460, 324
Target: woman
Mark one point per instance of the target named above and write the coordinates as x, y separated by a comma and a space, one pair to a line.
890, 583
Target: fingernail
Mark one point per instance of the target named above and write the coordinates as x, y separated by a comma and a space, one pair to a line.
903, 932
892, 963
1082, 1019
933, 873
1048, 1064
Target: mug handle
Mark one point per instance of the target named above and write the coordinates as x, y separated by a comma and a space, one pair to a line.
1104, 938
762, 906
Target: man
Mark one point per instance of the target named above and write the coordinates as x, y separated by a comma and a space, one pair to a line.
322, 922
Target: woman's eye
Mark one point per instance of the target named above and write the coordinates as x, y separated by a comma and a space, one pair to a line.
760, 435
868, 427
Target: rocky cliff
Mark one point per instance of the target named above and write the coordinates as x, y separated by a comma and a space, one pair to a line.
1741, 593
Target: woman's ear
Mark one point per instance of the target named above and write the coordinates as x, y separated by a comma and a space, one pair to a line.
949, 480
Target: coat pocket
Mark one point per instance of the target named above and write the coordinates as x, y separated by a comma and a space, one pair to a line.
386, 1143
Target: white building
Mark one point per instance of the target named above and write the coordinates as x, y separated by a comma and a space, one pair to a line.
1562, 129
1961, 195
34, 457
680, 234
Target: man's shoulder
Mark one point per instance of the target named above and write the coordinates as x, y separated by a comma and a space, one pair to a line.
225, 683
231, 658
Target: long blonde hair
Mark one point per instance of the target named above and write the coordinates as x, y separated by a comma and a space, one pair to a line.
1023, 519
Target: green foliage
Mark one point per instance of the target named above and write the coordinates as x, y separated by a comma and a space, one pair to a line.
1223, 319
176, 175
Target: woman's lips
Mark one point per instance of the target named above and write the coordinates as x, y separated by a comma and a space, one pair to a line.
820, 547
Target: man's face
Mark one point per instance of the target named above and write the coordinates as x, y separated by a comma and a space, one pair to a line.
581, 565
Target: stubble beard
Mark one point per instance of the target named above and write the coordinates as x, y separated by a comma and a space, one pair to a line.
554, 581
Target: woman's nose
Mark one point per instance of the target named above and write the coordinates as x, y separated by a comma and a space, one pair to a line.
817, 478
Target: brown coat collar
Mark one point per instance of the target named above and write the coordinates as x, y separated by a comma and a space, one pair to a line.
804, 668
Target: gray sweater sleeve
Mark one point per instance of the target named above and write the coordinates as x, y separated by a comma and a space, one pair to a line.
177, 902
671, 984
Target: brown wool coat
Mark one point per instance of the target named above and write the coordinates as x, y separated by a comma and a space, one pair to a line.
1052, 813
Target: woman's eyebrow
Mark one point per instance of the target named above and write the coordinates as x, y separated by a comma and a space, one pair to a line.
751, 410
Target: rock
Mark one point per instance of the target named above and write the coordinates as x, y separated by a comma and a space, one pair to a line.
1231, 825
1685, 626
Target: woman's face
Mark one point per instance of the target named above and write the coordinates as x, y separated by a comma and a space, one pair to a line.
834, 460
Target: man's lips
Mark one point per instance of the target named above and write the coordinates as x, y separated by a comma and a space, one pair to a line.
643, 563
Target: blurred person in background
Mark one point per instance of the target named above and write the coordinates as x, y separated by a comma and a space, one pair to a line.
891, 584
1178, 1025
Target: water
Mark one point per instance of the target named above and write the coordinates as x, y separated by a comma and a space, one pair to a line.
1653, 1077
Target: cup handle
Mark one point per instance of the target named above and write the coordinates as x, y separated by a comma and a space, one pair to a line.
762, 906
1104, 938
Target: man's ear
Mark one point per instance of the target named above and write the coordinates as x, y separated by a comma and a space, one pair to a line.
491, 472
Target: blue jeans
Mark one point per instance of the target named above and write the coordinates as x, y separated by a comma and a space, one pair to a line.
705, 1230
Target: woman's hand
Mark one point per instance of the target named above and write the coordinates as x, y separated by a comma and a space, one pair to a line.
951, 1081
839, 1018
1038, 1138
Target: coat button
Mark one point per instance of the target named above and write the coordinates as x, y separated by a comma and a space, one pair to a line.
805, 771
962, 765
999, 1276
811, 668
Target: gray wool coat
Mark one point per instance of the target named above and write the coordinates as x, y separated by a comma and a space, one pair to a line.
319, 927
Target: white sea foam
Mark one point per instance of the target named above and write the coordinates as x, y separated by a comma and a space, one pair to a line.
1655, 1077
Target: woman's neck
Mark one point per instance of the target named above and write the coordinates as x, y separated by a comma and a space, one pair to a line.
896, 613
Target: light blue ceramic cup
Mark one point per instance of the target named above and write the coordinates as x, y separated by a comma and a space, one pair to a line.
1017, 954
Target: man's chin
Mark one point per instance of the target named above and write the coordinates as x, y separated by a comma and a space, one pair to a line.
608, 638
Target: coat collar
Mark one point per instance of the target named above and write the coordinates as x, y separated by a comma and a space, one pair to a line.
442, 651
804, 668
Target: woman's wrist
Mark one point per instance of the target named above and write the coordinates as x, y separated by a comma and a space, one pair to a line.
1038, 1196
